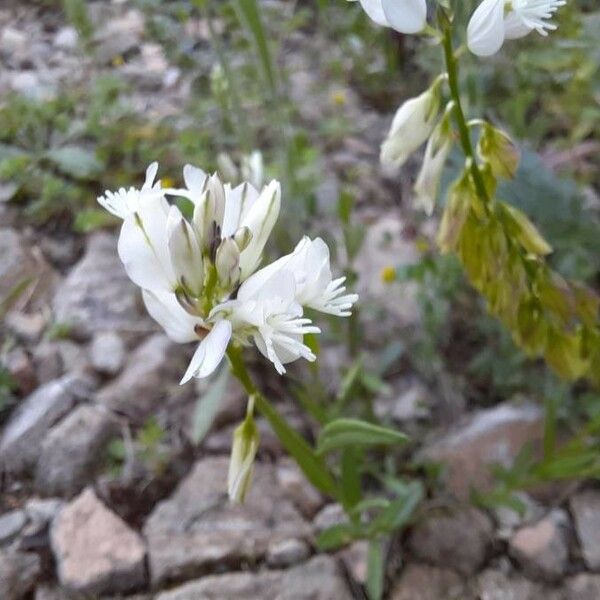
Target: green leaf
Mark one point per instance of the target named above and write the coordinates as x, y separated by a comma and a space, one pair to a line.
312, 465
75, 161
14, 294
399, 512
337, 535
343, 433
375, 570
350, 477
91, 219
208, 404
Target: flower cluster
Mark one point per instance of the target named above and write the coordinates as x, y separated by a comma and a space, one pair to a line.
200, 278
492, 22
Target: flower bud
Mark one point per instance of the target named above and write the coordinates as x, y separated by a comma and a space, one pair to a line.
209, 210
242, 238
227, 262
185, 253
241, 464
498, 150
412, 125
436, 152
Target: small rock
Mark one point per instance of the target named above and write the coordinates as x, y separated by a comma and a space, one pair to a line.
585, 508
66, 38
119, 36
95, 551
495, 585
197, 528
459, 540
285, 553
28, 84
11, 524
18, 573
328, 516
141, 387
583, 587
73, 449
23, 436
48, 361
355, 559
541, 549
41, 511
492, 436
421, 582
297, 489
50, 592
411, 403
508, 519
12, 40
27, 327
107, 353
97, 294
20, 367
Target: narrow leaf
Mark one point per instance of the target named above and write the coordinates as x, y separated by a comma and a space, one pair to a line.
343, 433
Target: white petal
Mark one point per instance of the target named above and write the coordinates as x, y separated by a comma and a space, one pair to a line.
210, 351
168, 313
150, 176
514, 27
237, 204
485, 32
375, 11
260, 220
143, 248
194, 179
405, 16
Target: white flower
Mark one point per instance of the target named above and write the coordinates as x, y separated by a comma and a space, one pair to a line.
405, 16
436, 152
124, 202
198, 278
497, 20
412, 125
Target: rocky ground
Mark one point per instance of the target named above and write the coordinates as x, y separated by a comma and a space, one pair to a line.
70, 527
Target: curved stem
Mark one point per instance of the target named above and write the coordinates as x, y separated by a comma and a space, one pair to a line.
313, 466
459, 116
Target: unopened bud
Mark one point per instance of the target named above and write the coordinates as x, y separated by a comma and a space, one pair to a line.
227, 262
499, 151
243, 452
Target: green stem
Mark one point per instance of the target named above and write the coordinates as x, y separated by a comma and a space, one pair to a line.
459, 115
313, 466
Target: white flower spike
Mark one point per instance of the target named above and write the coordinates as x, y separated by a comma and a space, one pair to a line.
495, 21
405, 16
198, 278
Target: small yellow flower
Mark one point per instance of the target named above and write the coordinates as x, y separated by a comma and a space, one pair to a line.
118, 61
338, 98
166, 182
388, 274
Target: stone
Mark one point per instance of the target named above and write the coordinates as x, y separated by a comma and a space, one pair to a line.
584, 586
28, 327
19, 572
50, 592
285, 553
491, 436
197, 529
73, 450
66, 38
11, 524
297, 489
12, 40
97, 294
142, 386
423, 582
18, 363
585, 508
541, 549
508, 519
410, 403
22, 439
495, 585
95, 551
328, 516
317, 579
41, 511
355, 558
48, 361
119, 36
385, 245
458, 540
107, 353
